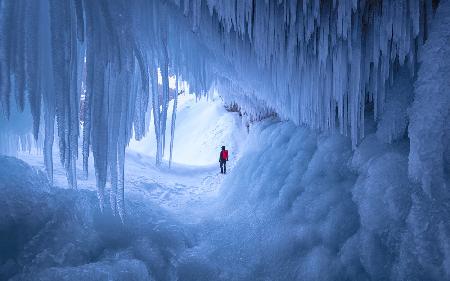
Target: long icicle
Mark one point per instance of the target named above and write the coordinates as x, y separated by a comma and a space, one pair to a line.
174, 118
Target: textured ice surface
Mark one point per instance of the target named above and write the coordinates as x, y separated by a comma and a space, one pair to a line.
315, 210
298, 205
56, 234
312, 62
429, 160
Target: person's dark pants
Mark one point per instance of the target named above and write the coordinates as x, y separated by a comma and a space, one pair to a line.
223, 167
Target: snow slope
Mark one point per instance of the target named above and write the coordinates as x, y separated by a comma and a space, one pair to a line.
202, 127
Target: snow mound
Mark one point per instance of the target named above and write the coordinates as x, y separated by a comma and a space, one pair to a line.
305, 206
54, 234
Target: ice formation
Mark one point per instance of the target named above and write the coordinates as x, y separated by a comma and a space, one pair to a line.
173, 121
429, 129
314, 209
49, 233
361, 195
318, 63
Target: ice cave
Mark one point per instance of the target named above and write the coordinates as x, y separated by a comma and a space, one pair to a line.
335, 115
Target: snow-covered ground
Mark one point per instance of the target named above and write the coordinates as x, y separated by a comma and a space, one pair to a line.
298, 205
203, 126
164, 207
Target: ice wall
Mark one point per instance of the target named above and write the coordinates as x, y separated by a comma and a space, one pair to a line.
429, 129
302, 205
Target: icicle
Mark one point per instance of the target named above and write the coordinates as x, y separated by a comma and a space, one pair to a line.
165, 95
174, 117
114, 88
142, 91
19, 69
304, 60
6, 18
186, 7
65, 51
121, 155
80, 19
156, 114
46, 87
32, 62
121, 183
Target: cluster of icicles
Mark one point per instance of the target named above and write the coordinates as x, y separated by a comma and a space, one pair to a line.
314, 62
319, 62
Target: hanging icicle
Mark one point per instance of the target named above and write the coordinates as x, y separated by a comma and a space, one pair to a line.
174, 119
316, 63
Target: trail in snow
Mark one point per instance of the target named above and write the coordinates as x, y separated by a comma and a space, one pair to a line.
203, 126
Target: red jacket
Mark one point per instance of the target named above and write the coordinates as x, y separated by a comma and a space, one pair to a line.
223, 155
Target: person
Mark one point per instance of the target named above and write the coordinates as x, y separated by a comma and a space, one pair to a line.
223, 158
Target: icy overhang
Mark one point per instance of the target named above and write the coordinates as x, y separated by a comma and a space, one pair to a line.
314, 62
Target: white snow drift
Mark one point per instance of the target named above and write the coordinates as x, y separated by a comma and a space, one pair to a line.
202, 127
